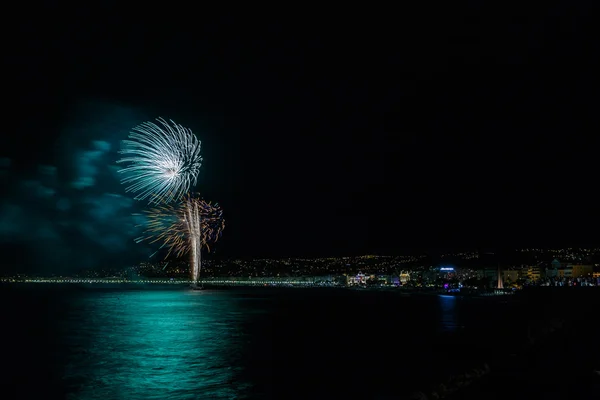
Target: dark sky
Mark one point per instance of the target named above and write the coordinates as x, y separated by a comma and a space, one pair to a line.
341, 134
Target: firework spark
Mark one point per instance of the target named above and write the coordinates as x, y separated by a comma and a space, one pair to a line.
186, 227
162, 161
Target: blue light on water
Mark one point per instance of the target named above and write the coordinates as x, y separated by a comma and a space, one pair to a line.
449, 314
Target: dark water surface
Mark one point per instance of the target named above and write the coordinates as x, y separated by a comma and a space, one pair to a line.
133, 343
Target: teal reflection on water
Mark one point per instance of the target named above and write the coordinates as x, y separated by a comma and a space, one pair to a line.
154, 345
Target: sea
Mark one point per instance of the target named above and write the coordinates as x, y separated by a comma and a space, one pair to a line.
77, 342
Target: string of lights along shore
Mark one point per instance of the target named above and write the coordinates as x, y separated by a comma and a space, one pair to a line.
162, 162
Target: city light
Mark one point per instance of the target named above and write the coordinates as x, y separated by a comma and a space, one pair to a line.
404, 272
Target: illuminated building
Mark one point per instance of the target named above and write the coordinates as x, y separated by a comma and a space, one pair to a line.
565, 272
359, 279
533, 273
446, 272
404, 277
582, 270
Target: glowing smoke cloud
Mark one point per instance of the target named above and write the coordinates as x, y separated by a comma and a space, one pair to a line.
163, 161
185, 227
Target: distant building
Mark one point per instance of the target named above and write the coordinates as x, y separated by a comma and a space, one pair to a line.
582, 270
404, 277
565, 272
510, 275
534, 272
551, 272
357, 279
447, 272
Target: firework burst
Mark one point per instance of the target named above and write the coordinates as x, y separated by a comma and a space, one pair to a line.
163, 161
186, 227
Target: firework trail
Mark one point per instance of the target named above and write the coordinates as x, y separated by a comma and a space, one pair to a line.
162, 161
186, 227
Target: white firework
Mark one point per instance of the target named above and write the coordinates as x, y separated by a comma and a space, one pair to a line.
164, 161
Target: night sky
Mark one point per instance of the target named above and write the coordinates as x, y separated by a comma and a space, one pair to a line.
342, 134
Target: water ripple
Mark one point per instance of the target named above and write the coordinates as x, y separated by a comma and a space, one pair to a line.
151, 345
